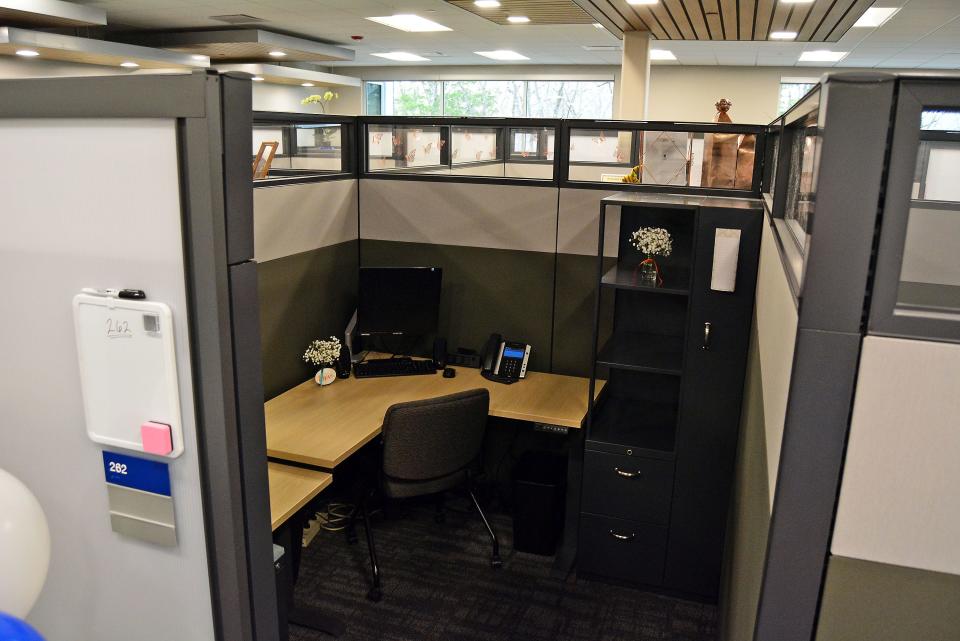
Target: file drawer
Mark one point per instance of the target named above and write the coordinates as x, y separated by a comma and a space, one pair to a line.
627, 487
621, 549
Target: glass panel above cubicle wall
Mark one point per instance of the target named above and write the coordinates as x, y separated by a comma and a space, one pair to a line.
930, 272
285, 147
480, 150
700, 159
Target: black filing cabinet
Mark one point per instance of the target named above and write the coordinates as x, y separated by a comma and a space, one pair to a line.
662, 436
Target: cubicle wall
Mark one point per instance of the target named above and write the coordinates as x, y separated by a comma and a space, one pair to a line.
305, 240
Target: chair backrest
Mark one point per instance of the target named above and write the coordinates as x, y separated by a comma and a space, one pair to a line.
436, 437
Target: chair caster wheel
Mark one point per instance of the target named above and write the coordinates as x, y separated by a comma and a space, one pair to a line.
496, 562
374, 595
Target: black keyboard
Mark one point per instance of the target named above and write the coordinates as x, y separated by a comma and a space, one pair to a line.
393, 367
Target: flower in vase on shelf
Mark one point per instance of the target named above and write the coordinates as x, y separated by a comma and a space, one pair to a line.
651, 241
323, 354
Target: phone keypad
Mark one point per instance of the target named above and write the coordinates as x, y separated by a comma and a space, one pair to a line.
510, 368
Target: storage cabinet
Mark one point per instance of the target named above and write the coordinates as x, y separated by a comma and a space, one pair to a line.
661, 439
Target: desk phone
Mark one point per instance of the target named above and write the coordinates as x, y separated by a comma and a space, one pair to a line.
504, 361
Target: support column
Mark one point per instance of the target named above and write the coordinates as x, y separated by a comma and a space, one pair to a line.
634, 75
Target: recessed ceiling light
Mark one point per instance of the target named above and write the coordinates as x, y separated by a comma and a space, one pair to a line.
257, 78
129, 64
410, 22
822, 55
662, 54
642, 1
401, 56
278, 54
796, 1
198, 57
306, 84
487, 4
783, 35
875, 17
28, 53
518, 19
502, 54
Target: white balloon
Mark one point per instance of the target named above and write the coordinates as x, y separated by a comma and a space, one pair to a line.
24, 546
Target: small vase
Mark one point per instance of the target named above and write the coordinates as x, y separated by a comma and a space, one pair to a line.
648, 273
325, 376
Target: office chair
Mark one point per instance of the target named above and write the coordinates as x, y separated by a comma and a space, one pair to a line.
428, 447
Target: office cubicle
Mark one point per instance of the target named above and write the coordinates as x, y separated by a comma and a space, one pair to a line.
295, 148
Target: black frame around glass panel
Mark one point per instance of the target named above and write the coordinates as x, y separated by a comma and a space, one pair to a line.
885, 318
348, 136
446, 124
563, 154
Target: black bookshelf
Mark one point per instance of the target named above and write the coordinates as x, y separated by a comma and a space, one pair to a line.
670, 405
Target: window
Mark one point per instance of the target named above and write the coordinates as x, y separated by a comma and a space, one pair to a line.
491, 98
791, 92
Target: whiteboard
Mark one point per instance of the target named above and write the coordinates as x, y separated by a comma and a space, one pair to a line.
128, 370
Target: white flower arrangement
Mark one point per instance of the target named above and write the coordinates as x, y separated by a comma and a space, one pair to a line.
322, 353
652, 241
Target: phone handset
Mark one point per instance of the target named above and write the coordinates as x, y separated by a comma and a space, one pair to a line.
504, 361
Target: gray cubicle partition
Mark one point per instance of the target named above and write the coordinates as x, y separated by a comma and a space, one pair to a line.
139, 182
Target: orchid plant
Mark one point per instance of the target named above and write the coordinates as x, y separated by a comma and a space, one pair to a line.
321, 99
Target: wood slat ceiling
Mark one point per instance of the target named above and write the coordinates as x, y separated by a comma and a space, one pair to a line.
816, 21
539, 11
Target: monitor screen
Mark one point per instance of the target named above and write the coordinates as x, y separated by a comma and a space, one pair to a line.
399, 300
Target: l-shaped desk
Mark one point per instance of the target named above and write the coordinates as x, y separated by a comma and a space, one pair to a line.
323, 426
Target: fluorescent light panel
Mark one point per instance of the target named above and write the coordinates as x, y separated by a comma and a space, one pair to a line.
487, 4
783, 35
823, 55
27, 53
409, 22
796, 1
642, 2
518, 19
401, 56
662, 54
502, 54
875, 16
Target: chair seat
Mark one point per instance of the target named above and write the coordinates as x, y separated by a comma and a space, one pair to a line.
400, 489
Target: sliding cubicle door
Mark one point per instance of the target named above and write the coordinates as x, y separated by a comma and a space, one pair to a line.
307, 252
495, 243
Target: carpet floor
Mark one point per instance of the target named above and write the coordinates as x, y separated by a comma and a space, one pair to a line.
438, 586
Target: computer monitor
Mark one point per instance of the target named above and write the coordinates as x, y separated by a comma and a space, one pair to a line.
399, 300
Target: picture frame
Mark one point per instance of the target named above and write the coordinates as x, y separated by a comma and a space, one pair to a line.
261, 164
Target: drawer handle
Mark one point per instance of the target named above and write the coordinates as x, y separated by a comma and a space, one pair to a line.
706, 335
628, 475
623, 537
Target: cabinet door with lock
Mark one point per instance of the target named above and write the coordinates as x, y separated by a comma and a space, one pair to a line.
717, 342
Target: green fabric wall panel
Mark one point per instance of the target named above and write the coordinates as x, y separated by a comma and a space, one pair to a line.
484, 291
746, 540
302, 297
574, 309
868, 601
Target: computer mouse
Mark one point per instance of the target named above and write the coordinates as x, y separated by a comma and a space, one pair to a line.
449, 372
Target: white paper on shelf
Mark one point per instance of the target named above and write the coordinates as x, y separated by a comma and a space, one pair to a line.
726, 249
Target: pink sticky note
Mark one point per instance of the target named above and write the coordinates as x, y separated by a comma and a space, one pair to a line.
156, 438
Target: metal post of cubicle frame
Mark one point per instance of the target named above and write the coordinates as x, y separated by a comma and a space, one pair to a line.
854, 121
215, 210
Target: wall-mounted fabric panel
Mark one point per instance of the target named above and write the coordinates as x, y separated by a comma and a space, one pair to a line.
573, 313
776, 319
579, 223
484, 290
930, 254
746, 540
305, 296
898, 501
290, 219
880, 602
112, 219
494, 216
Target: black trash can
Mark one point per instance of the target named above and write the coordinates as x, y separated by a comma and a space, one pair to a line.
539, 486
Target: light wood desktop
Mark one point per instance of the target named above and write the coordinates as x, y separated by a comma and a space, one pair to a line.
324, 426
291, 488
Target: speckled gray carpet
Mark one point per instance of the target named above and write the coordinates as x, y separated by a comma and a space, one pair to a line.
438, 585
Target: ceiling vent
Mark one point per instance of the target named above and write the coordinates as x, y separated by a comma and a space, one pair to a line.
237, 18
